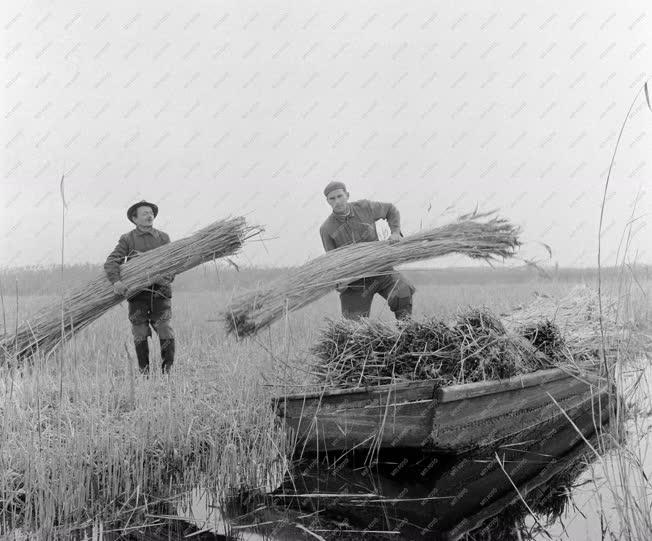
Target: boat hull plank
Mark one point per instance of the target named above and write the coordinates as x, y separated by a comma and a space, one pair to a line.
484, 419
420, 415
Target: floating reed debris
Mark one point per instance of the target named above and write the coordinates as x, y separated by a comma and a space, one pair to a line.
474, 347
479, 236
43, 332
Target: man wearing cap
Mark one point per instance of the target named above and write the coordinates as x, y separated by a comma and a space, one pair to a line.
152, 306
353, 222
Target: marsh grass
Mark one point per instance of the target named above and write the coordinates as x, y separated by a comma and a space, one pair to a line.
97, 445
621, 486
614, 494
629, 484
107, 441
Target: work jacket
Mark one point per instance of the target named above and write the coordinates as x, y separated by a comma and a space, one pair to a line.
359, 225
130, 245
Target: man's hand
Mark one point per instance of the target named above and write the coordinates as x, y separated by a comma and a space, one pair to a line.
163, 279
394, 238
192, 261
119, 288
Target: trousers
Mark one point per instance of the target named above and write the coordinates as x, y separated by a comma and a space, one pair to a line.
357, 297
150, 310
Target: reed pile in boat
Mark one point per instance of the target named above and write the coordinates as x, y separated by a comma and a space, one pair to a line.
475, 346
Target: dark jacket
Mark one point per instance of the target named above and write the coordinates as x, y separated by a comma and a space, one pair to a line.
359, 225
130, 245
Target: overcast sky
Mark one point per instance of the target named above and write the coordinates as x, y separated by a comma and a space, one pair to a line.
213, 109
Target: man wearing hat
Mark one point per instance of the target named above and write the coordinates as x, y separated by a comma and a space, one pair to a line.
152, 306
353, 222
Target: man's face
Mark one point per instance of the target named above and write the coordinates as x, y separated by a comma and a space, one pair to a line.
144, 216
337, 199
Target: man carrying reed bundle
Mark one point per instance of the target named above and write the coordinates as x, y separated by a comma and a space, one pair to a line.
153, 305
354, 222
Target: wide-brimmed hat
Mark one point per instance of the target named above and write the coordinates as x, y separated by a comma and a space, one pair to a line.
132, 209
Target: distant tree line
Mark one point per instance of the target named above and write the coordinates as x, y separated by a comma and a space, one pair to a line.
40, 280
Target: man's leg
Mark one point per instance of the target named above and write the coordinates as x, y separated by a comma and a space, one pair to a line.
398, 292
142, 353
138, 316
356, 300
161, 321
167, 354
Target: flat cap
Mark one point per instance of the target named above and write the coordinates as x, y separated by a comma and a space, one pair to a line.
334, 185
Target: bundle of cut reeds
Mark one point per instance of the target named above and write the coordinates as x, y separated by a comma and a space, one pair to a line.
576, 318
480, 236
473, 347
44, 331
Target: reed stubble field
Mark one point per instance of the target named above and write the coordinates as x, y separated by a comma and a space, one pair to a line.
85, 440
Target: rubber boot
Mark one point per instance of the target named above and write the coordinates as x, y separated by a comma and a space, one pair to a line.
402, 307
142, 353
404, 313
167, 354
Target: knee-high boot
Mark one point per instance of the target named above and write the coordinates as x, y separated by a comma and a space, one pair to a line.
142, 353
167, 354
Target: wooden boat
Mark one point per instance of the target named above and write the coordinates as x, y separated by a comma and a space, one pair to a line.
422, 496
422, 415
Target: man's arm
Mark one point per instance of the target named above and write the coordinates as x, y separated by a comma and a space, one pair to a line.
115, 259
326, 239
388, 212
